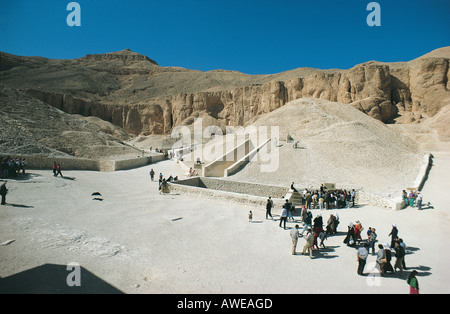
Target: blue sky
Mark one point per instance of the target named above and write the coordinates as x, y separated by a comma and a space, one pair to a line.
254, 37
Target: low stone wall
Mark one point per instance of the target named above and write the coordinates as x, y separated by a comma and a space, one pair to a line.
72, 163
229, 190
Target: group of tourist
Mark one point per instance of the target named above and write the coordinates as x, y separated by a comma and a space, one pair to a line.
412, 198
10, 167
162, 182
325, 199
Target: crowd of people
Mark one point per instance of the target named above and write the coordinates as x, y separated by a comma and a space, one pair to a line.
315, 232
11, 167
385, 251
325, 199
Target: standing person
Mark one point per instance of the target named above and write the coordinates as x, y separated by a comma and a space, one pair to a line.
336, 222
3, 192
405, 198
304, 214
55, 166
58, 170
358, 229
419, 200
330, 224
393, 234
353, 197
412, 198
388, 254
399, 255
372, 240
321, 202
413, 283
283, 217
289, 210
350, 238
250, 216
269, 207
381, 258
361, 255
403, 245
152, 174
294, 235
309, 242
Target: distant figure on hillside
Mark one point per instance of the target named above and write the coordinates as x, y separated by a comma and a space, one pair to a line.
152, 174
250, 216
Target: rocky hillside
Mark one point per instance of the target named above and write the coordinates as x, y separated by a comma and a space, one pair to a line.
31, 127
133, 92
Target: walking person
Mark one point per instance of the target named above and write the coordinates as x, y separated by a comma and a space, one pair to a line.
55, 166
294, 235
399, 255
269, 208
413, 283
358, 229
361, 257
3, 192
58, 171
403, 245
283, 217
309, 242
152, 175
372, 239
393, 234
388, 254
381, 259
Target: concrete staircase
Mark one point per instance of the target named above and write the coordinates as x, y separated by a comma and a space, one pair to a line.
295, 198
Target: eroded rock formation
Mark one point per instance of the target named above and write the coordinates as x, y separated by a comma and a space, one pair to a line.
133, 92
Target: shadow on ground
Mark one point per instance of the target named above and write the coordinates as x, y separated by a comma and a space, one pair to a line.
52, 279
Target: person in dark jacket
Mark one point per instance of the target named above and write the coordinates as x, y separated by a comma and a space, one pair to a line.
393, 234
269, 208
350, 239
3, 192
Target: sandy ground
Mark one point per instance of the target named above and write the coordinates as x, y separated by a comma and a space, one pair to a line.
129, 243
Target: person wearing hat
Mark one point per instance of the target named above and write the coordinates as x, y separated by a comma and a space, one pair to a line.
3, 192
309, 243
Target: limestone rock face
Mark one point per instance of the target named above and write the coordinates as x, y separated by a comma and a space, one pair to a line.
135, 93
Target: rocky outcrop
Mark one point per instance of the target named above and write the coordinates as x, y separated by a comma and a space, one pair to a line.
148, 100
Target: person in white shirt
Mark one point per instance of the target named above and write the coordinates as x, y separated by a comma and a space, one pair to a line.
294, 235
283, 217
419, 200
